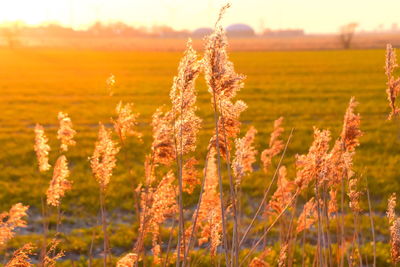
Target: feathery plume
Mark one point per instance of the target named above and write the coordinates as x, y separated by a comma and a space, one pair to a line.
149, 170
340, 160
110, 83
51, 257
103, 159
189, 175
163, 146
11, 220
283, 194
126, 122
313, 165
222, 12
308, 216
223, 84
159, 204
129, 260
42, 148
209, 214
283, 255
351, 128
245, 155
332, 204
65, 132
391, 213
394, 224
393, 84
275, 145
395, 240
20, 257
59, 183
258, 261
164, 205
354, 196
183, 98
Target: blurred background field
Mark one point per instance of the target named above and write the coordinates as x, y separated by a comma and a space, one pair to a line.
307, 88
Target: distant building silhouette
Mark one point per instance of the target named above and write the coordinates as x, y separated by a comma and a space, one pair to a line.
201, 32
239, 30
283, 33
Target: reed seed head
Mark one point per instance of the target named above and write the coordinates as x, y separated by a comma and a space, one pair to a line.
42, 148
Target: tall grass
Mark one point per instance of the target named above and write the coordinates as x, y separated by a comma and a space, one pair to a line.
308, 212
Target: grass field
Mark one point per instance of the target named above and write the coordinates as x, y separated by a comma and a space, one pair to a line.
307, 88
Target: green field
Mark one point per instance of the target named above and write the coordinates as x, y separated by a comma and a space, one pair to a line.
307, 88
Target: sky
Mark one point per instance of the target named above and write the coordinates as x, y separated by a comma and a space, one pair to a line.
314, 16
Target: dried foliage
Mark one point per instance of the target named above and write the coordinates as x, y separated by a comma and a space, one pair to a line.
223, 84
283, 255
126, 122
332, 204
394, 223
351, 128
59, 183
393, 83
158, 205
313, 166
259, 261
308, 216
275, 145
42, 149
11, 220
190, 175
283, 194
245, 155
163, 146
209, 214
104, 159
65, 132
354, 196
183, 98
129, 260
21, 256
52, 255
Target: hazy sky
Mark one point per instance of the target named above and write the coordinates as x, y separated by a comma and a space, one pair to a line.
311, 15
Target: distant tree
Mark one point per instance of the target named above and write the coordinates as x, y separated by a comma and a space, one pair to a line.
346, 34
11, 33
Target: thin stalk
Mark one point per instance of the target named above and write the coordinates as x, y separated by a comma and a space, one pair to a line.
196, 215
356, 232
169, 244
142, 223
269, 228
266, 192
342, 244
181, 231
327, 222
45, 230
289, 235
304, 240
303, 248
91, 248
235, 240
372, 222
320, 236
104, 225
221, 196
